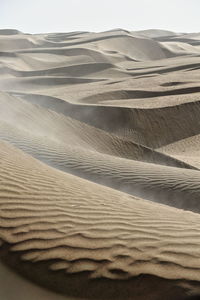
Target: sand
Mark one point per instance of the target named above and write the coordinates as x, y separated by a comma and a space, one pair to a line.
99, 165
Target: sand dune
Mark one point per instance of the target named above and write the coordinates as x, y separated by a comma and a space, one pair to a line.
174, 186
78, 238
15, 112
99, 165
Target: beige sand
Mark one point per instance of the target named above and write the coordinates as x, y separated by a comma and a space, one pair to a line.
99, 165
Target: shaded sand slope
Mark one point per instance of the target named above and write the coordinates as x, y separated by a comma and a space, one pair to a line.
22, 288
187, 150
104, 238
174, 186
152, 127
29, 121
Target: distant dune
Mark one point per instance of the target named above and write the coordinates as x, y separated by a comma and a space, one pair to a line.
99, 165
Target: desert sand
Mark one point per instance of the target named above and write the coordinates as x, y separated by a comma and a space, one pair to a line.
99, 165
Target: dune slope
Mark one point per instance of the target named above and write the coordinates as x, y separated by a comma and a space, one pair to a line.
50, 223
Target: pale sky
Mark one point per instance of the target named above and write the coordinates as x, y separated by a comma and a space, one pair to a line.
38, 16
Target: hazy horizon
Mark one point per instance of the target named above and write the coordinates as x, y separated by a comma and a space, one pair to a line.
76, 15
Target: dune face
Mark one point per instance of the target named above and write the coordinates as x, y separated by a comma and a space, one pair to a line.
99, 165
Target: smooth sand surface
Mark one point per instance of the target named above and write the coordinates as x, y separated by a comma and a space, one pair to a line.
14, 286
99, 165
